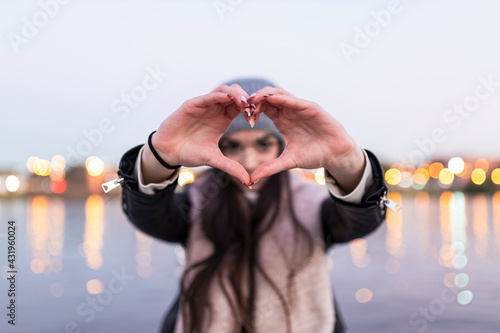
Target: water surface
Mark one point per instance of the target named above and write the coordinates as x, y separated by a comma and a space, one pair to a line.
82, 267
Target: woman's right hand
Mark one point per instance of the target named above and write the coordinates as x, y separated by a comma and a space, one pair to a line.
190, 136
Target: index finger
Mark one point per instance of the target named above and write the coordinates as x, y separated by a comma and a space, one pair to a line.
291, 102
211, 99
283, 162
219, 161
238, 94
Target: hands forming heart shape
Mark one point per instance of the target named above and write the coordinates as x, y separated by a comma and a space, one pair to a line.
314, 139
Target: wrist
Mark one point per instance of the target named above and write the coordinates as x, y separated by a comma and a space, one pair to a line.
157, 155
347, 169
152, 170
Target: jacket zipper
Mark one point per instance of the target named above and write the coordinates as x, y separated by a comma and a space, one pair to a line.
392, 205
112, 184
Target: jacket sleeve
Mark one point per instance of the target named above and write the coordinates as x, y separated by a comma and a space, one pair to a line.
163, 215
343, 221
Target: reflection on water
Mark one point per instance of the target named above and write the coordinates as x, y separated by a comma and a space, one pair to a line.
95, 286
446, 252
394, 242
434, 242
451, 240
45, 228
453, 230
480, 224
422, 203
496, 219
358, 252
143, 256
458, 230
94, 229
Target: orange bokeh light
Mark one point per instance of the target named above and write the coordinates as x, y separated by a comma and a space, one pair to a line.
482, 163
58, 186
435, 169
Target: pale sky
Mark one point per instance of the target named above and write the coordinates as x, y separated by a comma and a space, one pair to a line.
394, 73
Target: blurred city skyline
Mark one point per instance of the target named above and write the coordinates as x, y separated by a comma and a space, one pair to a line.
409, 81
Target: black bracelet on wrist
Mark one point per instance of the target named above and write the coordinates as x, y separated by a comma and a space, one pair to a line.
158, 158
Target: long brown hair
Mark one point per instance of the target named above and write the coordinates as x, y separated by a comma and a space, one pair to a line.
235, 227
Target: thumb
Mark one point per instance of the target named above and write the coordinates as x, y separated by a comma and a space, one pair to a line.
219, 161
284, 162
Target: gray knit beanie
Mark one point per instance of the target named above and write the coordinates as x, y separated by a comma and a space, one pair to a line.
251, 85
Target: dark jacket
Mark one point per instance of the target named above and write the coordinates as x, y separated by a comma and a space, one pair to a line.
165, 215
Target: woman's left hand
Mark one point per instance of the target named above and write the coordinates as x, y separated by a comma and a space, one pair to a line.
313, 139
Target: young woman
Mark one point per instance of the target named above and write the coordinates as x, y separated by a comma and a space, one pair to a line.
255, 234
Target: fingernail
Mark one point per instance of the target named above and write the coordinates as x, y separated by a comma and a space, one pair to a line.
268, 95
252, 106
252, 122
247, 110
252, 96
244, 100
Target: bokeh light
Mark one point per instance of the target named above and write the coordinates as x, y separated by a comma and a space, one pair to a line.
424, 165
461, 280
478, 176
482, 163
456, 165
95, 286
459, 261
465, 297
185, 177
466, 171
358, 252
12, 183
435, 169
393, 176
319, 176
36, 266
31, 163
406, 179
421, 176
364, 295
58, 186
449, 279
57, 175
495, 176
446, 177
42, 167
95, 166
58, 163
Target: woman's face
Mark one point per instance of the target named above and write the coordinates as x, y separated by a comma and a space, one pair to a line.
251, 148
